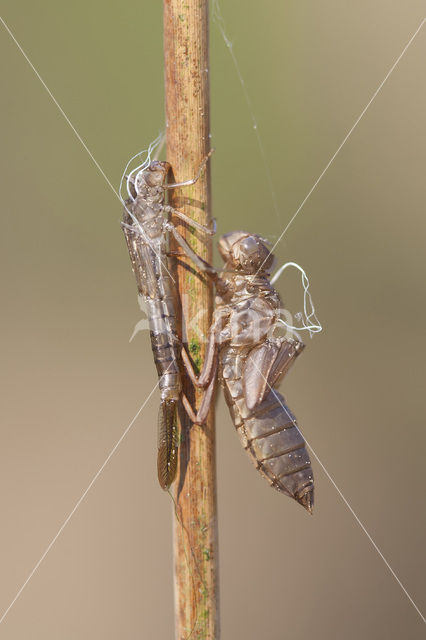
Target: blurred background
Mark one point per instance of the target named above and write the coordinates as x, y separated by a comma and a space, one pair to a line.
72, 382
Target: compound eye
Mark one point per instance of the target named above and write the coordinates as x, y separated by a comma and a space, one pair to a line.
249, 248
249, 245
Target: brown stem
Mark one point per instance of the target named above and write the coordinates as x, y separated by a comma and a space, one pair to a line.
187, 117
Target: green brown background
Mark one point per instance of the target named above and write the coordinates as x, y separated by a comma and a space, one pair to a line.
71, 382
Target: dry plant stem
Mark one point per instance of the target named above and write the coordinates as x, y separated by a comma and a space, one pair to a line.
187, 118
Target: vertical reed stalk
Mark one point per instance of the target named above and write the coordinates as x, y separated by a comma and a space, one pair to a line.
195, 516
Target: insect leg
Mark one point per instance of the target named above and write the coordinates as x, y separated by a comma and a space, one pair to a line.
207, 397
221, 285
189, 410
204, 409
200, 263
187, 183
201, 227
129, 227
210, 363
208, 371
207, 377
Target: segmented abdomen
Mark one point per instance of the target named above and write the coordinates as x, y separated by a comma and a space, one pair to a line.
165, 346
154, 283
269, 434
